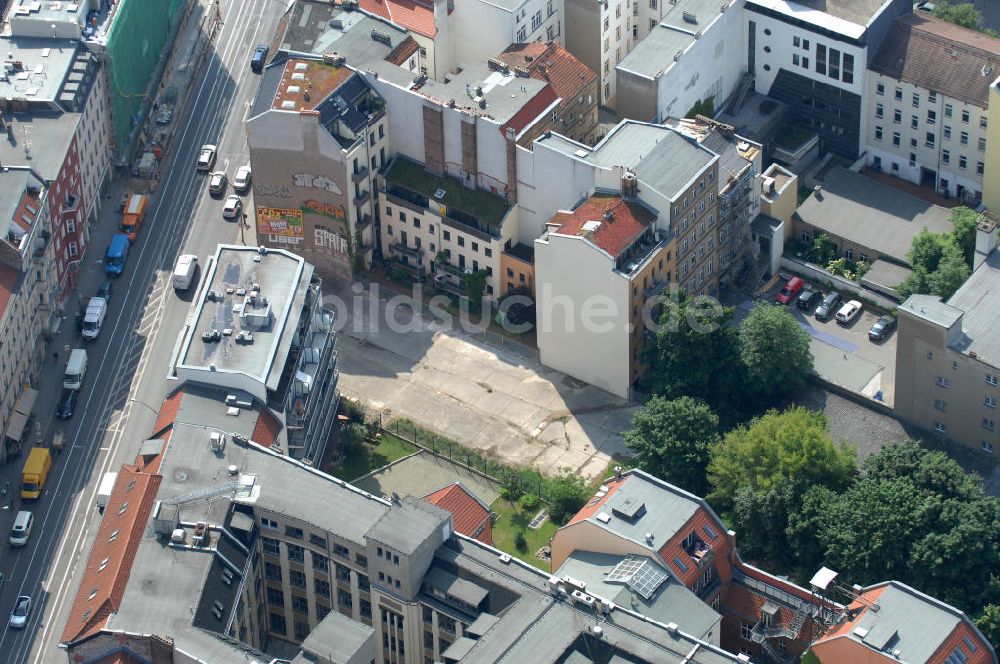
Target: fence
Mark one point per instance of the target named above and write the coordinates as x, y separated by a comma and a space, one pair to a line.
502, 342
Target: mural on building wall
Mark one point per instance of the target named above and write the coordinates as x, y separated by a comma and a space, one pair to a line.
330, 237
281, 222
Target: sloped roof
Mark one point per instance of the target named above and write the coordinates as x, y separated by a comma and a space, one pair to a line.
8, 282
552, 63
470, 514
940, 56
533, 108
614, 233
404, 51
410, 14
266, 431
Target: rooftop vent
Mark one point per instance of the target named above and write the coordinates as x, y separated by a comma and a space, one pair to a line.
382, 37
629, 509
335, 59
439, 193
233, 470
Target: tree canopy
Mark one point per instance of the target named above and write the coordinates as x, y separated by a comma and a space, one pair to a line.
774, 450
939, 265
989, 624
774, 352
963, 14
670, 439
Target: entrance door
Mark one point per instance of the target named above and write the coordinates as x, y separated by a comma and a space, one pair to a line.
928, 178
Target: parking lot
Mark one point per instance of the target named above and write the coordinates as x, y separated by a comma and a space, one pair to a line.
842, 354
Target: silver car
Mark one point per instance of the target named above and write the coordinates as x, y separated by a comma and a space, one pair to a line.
22, 609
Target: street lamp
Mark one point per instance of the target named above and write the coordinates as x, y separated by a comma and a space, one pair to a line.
143, 403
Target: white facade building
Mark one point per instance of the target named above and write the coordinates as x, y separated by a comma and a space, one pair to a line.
480, 29
599, 32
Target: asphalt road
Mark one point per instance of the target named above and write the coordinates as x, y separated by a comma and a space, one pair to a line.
126, 379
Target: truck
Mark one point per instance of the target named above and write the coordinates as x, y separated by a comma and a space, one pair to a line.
36, 471
184, 271
116, 255
93, 318
76, 368
133, 215
104, 489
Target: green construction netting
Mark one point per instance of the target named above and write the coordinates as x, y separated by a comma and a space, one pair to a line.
135, 42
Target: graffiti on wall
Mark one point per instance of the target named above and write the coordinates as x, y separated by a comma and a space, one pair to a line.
279, 221
316, 182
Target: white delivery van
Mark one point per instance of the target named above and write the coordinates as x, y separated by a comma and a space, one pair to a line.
22, 529
104, 489
187, 265
76, 368
93, 319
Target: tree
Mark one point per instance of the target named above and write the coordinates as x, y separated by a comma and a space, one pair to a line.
777, 449
566, 495
760, 519
670, 439
963, 14
475, 286
774, 352
824, 249
930, 471
692, 342
964, 220
939, 266
351, 436
989, 624
951, 273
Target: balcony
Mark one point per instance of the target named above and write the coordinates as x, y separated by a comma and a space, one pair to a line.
364, 221
467, 208
362, 198
448, 268
635, 257
359, 174
401, 249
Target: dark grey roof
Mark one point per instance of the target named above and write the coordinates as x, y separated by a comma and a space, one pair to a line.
270, 80
448, 583
220, 593
408, 525
342, 104
337, 638
871, 214
932, 309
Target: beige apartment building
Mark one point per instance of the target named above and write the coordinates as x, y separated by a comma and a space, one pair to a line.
600, 34
948, 358
28, 297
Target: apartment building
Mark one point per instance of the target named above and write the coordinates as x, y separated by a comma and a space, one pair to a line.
481, 28
574, 82
260, 556
53, 103
812, 55
686, 52
28, 297
277, 347
928, 91
947, 370
599, 33
434, 227
318, 135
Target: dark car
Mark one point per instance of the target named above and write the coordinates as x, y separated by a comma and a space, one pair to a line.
828, 306
807, 299
259, 57
67, 404
104, 290
882, 328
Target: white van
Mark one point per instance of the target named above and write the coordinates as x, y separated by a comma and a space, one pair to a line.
93, 319
187, 265
76, 369
22, 529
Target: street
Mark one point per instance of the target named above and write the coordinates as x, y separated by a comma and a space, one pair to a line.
126, 380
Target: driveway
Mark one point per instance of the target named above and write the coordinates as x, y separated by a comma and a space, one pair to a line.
843, 355
511, 408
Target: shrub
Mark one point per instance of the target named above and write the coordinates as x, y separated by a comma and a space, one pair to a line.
520, 543
530, 501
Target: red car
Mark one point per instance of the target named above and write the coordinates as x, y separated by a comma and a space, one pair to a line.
789, 291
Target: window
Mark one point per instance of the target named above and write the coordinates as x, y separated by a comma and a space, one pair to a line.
275, 596
296, 553
834, 64
916, 100
940, 427
447, 236
982, 144
964, 138
991, 379
980, 168
943, 382
878, 133
879, 110
300, 604
914, 121
897, 116
292, 531
990, 402
931, 117
341, 551
962, 162
820, 59
913, 157
322, 587
913, 144
849, 254
895, 138
880, 88
929, 139
947, 133
982, 121
272, 572
988, 424
847, 69
317, 540
270, 546
269, 524
796, 41
899, 94
746, 630
296, 578
278, 623
522, 34
941, 405
946, 156
948, 110
805, 63
795, 59
986, 447
320, 563
416, 222
965, 117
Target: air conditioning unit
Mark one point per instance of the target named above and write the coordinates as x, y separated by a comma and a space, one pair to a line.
218, 441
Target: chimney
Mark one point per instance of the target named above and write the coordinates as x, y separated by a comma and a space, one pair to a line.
818, 190
986, 240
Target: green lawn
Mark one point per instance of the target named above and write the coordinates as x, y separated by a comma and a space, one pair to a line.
486, 207
509, 522
368, 457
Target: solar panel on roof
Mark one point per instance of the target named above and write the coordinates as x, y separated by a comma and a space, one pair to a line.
640, 573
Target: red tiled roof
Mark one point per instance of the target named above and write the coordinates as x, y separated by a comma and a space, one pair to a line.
168, 412
720, 547
8, 280
110, 561
594, 505
860, 604
471, 516
320, 80
410, 14
403, 52
266, 431
553, 63
530, 111
956, 639
615, 234
27, 210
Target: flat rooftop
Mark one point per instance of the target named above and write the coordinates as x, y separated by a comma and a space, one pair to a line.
673, 33
18, 206
608, 221
847, 17
306, 83
270, 314
484, 206
870, 214
979, 299
43, 65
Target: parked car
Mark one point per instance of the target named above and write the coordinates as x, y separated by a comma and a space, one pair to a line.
807, 299
241, 183
164, 116
849, 312
259, 57
104, 290
829, 305
789, 290
206, 157
67, 404
217, 183
22, 609
233, 208
882, 328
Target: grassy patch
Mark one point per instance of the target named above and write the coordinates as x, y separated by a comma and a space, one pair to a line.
510, 522
486, 207
368, 457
